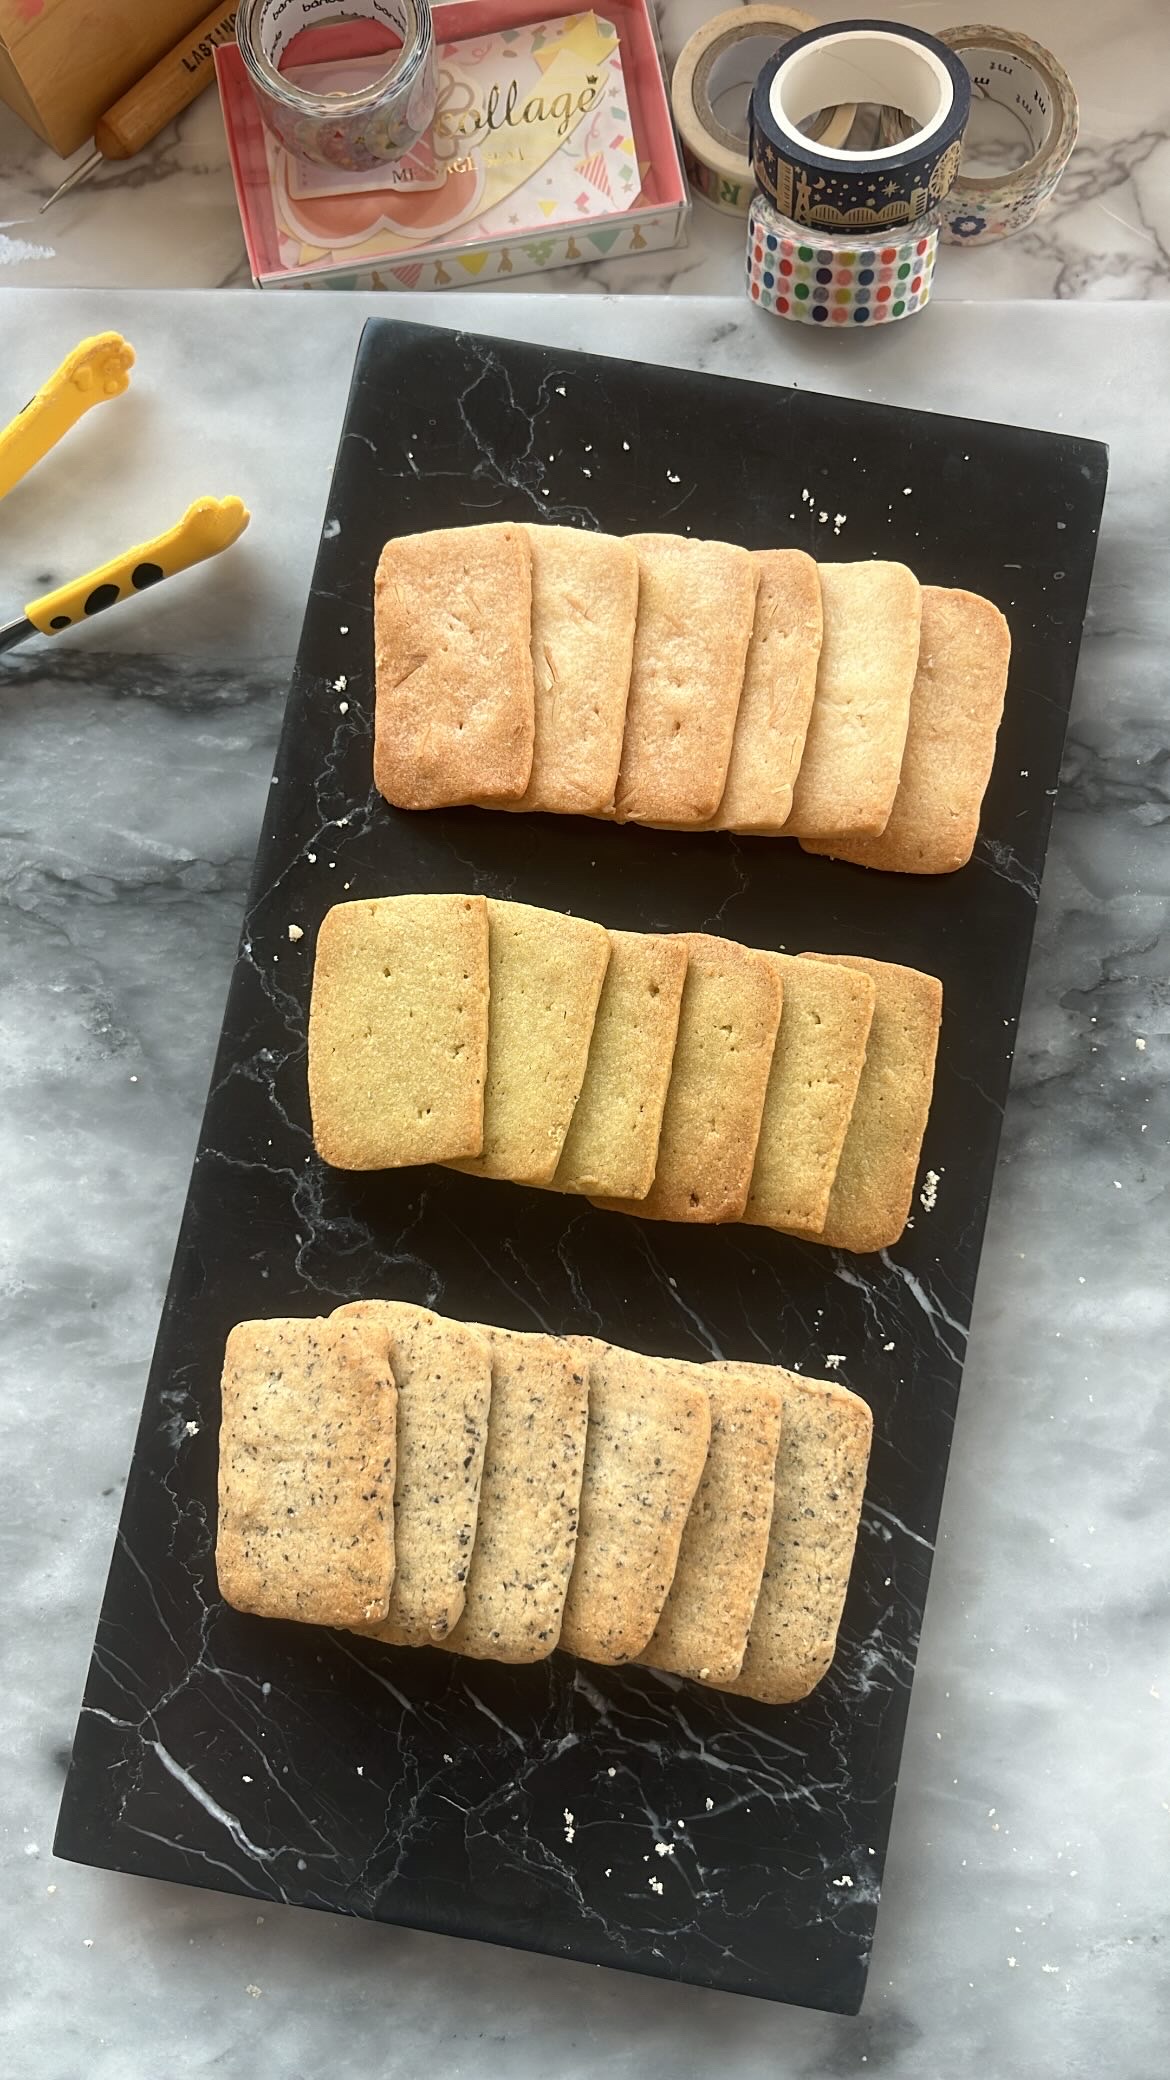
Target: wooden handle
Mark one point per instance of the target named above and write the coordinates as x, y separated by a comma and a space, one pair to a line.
168, 87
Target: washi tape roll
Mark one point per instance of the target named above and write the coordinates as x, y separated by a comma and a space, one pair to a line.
868, 61
828, 278
711, 92
355, 128
1032, 89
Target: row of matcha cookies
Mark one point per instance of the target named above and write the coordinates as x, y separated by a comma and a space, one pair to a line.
665, 680
682, 1078
432, 1482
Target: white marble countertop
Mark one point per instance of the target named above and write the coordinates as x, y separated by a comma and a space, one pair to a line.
168, 218
1024, 1924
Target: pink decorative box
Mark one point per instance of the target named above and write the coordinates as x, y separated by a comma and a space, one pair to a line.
552, 144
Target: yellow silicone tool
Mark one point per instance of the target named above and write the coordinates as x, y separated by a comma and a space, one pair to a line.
97, 369
208, 526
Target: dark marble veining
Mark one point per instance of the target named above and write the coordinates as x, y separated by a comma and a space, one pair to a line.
619, 1817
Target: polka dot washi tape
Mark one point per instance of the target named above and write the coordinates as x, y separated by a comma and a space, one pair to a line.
824, 278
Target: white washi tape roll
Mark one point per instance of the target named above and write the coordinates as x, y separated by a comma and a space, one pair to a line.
710, 93
1019, 92
356, 128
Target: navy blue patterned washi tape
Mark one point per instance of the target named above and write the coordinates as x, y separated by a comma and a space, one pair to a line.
886, 63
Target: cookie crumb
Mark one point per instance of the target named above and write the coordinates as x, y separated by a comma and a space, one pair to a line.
295, 933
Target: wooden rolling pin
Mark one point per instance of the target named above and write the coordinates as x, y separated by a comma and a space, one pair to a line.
159, 96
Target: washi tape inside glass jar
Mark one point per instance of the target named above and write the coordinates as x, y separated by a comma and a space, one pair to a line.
389, 43
869, 62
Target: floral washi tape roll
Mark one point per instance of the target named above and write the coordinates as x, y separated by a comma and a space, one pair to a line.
710, 94
1033, 91
828, 278
380, 117
842, 189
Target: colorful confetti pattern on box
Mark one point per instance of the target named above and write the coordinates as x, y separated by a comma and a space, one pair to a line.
830, 279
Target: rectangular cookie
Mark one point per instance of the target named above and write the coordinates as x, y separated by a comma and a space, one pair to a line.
955, 711
528, 1500
696, 602
703, 1629
649, 1425
454, 709
711, 1121
816, 1068
584, 607
874, 1186
820, 1482
612, 1143
306, 1472
779, 682
443, 1373
546, 976
398, 1031
852, 756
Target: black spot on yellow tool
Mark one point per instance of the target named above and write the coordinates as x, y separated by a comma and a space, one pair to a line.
98, 369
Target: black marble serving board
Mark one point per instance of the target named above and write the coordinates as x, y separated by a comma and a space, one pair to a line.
614, 1816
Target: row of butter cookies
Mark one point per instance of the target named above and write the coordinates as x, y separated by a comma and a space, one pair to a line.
432, 1482
682, 1077
698, 685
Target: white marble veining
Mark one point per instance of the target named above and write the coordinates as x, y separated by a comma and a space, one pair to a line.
1024, 1921
168, 218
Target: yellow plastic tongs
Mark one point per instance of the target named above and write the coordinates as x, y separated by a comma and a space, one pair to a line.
98, 369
